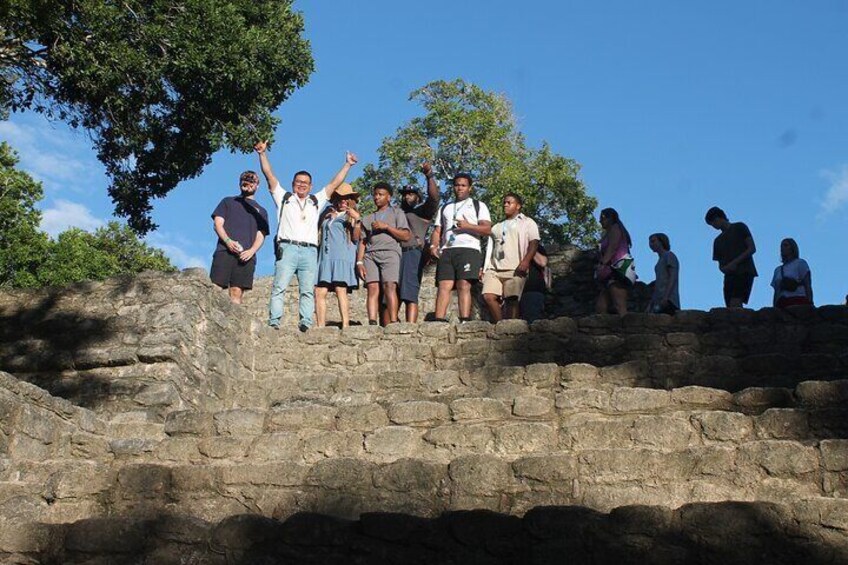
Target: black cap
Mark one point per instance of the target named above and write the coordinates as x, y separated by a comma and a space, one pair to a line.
409, 188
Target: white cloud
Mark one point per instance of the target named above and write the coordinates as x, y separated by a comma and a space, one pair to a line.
837, 193
58, 158
65, 214
174, 248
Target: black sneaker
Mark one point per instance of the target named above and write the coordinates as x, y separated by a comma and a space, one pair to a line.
303, 329
373, 323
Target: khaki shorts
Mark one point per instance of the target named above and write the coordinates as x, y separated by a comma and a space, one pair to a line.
382, 266
503, 283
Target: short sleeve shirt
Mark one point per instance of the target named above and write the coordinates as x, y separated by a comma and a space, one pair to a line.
796, 269
453, 211
666, 264
730, 244
507, 236
419, 219
383, 240
299, 218
243, 218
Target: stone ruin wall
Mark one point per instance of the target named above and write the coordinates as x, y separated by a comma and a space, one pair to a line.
150, 421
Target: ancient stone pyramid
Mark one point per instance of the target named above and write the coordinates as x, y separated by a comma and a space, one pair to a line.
149, 421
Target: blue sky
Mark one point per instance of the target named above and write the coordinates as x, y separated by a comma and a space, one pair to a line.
670, 107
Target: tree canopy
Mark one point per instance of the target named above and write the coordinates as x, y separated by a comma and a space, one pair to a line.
467, 129
160, 85
29, 258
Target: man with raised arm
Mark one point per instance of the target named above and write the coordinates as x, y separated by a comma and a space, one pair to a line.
460, 225
297, 236
241, 225
419, 216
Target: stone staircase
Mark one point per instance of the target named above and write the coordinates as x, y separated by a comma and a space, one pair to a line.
703, 437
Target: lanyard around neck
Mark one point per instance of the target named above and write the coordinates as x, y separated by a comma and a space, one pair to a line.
457, 208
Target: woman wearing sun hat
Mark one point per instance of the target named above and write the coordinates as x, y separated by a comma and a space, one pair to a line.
340, 232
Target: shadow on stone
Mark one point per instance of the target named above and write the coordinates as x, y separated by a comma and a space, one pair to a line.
730, 532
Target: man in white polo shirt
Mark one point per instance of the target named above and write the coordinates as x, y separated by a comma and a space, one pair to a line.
460, 224
297, 236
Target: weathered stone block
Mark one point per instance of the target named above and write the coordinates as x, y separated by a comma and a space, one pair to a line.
542, 375
834, 454
193, 478
478, 409
546, 468
223, 447
782, 423
348, 474
758, 399
682, 339
525, 437
418, 412
813, 394
562, 327
481, 475
702, 397
112, 535
317, 444
582, 398
279, 474
473, 437
532, 406
411, 476
639, 399
724, 426
132, 446
178, 449
626, 374
361, 418
394, 442
300, 415
663, 432
378, 353
188, 422
158, 394
441, 382
239, 422
144, 481
780, 458
592, 432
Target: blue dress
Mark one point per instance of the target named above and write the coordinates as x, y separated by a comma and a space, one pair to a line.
336, 254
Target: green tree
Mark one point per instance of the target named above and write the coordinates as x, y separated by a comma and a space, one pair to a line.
23, 247
160, 85
467, 129
77, 255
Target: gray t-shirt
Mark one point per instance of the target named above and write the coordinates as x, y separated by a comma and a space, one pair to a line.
666, 265
383, 241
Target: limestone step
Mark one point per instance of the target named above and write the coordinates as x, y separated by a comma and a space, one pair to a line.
601, 479
808, 531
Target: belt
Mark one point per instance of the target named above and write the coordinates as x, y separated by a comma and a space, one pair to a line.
298, 243
405, 249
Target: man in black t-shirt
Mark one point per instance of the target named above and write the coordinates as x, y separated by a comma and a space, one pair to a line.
734, 250
419, 216
241, 224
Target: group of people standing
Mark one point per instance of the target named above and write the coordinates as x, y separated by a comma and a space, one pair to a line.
733, 250
325, 242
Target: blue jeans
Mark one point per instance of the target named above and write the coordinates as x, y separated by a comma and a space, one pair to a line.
302, 261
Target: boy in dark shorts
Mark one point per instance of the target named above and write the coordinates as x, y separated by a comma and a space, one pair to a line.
378, 254
460, 224
241, 224
734, 250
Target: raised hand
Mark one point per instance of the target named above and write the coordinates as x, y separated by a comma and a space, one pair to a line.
351, 158
427, 169
260, 147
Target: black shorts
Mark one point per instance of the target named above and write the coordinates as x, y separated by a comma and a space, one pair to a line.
228, 271
459, 264
738, 286
411, 269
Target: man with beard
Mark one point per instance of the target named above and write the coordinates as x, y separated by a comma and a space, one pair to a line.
419, 216
241, 224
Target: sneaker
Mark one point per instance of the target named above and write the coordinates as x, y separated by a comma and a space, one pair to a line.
373, 323
303, 329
